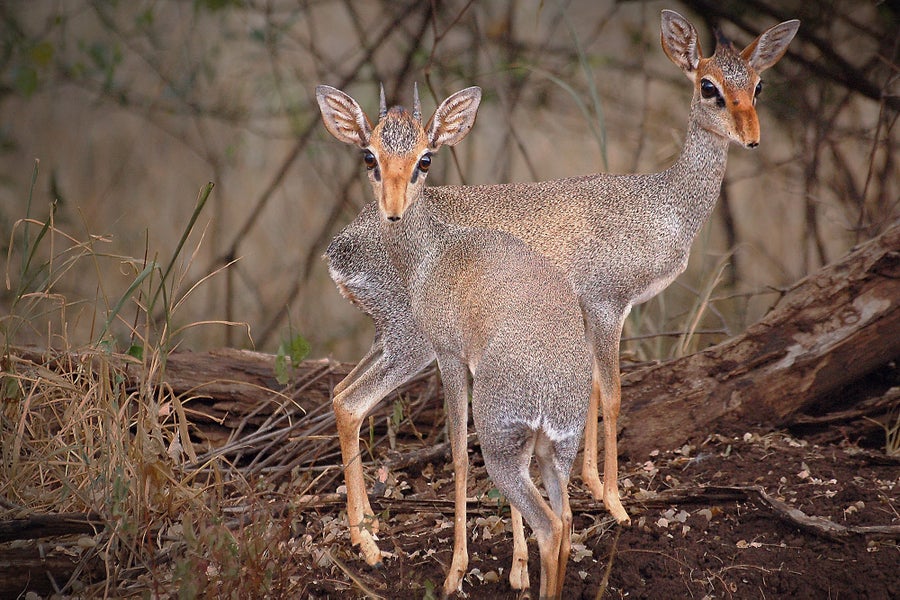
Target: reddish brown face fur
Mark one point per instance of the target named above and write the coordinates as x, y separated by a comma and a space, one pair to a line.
727, 83
397, 152
398, 143
736, 85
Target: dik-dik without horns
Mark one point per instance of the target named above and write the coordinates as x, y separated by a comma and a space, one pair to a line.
486, 304
620, 239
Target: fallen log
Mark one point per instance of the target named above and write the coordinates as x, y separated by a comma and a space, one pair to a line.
43, 570
50, 525
829, 330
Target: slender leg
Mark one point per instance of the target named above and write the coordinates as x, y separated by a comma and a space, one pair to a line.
515, 483
364, 364
454, 376
555, 461
518, 572
351, 406
606, 370
359, 513
604, 327
369, 365
507, 455
589, 470
565, 544
549, 540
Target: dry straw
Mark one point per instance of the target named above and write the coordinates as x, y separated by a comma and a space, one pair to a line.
89, 427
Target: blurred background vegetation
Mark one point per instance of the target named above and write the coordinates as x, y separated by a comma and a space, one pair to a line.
131, 107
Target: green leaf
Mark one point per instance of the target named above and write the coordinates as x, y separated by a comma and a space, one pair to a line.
429, 590
125, 298
25, 79
290, 354
144, 19
281, 370
41, 54
299, 349
397, 417
105, 346
205, 191
136, 351
10, 389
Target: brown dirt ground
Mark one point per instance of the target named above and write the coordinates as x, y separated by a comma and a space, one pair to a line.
694, 535
701, 527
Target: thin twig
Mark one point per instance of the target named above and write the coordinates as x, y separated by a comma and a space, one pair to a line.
604, 583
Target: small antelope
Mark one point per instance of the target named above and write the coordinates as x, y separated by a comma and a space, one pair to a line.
620, 239
485, 303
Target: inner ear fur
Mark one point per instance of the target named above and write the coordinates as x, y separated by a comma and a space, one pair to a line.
453, 119
680, 42
343, 117
770, 46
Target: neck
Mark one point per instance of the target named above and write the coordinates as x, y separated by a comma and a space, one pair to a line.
699, 171
414, 241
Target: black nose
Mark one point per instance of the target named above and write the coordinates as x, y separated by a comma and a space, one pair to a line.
393, 219
753, 144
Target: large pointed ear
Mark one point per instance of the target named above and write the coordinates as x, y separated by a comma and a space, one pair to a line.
768, 48
343, 117
679, 42
453, 118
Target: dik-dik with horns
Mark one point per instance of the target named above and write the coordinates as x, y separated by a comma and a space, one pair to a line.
488, 305
620, 239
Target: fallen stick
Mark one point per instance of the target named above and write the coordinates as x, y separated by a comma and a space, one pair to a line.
50, 525
821, 526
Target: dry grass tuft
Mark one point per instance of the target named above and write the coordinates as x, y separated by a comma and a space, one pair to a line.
89, 429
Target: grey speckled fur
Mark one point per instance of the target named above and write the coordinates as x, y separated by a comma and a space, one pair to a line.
481, 301
620, 239
487, 297
616, 236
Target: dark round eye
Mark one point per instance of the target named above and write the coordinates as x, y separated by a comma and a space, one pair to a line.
425, 162
369, 159
708, 89
758, 90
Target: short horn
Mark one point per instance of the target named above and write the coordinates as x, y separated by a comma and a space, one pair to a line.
722, 41
417, 106
382, 107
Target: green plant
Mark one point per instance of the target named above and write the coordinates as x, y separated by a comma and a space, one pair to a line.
35, 276
430, 590
289, 355
502, 503
165, 288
